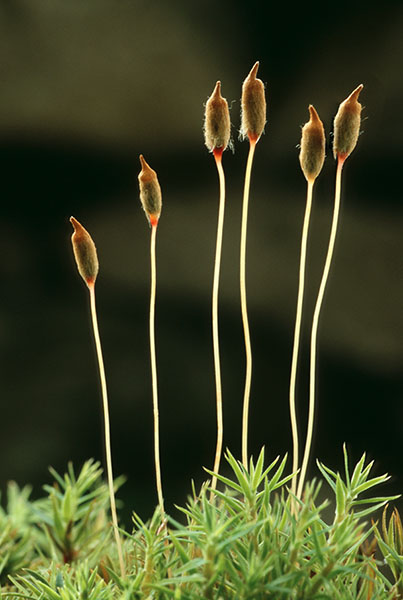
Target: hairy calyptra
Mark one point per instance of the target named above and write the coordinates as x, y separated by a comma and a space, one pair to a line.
253, 114
312, 154
347, 125
150, 192
217, 124
85, 253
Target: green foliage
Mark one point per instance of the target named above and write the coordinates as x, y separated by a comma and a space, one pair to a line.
390, 542
62, 583
67, 525
250, 539
73, 516
16, 533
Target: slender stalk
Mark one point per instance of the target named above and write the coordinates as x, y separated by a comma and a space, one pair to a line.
108, 452
297, 331
154, 370
214, 309
315, 323
244, 308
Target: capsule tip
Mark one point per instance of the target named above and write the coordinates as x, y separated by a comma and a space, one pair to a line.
254, 70
355, 93
217, 125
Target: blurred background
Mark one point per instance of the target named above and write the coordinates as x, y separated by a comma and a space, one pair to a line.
86, 86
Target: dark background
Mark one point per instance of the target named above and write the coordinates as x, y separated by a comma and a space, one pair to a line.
85, 87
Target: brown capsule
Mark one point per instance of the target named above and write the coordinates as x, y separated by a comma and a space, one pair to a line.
347, 125
312, 153
150, 192
253, 113
85, 253
217, 124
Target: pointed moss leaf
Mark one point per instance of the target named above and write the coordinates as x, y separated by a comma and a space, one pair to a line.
240, 475
224, 533
232, 504
324, 471
274, 482
365, 472
137, 520
91, 579
257, 474
48, 591
390, 553
280, 483
270, 467
185, 511
390, 534
240, 532
71, 473
392, 557
341, 493
342, 533
377, 499
56, 476
346, 468
162, 586
329, 471
179, 549
371, 483
4, 562
67, 508
27, 584
359, 542
251, 468
357, 472
399, 528
225, 480
371, 509
57, 521
319, 539
209, 515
